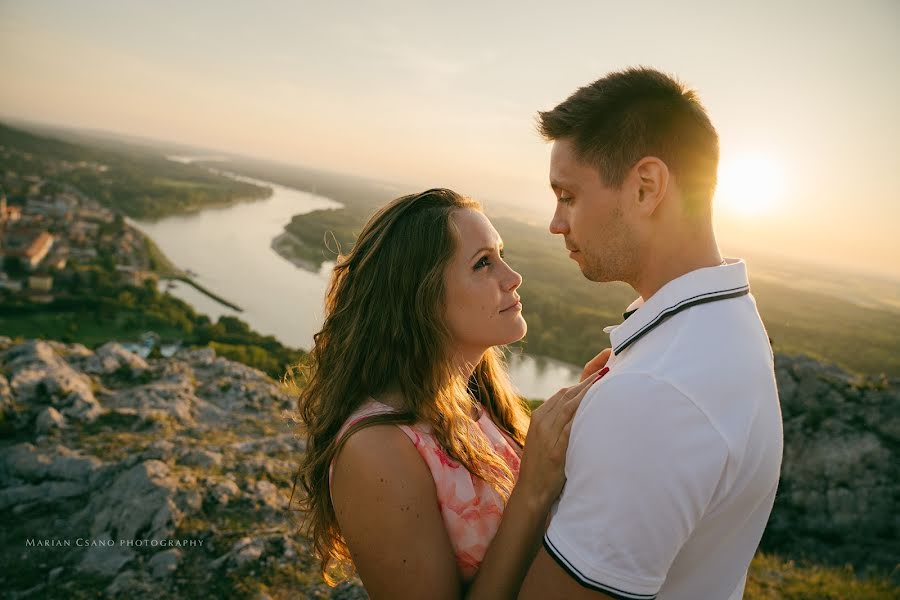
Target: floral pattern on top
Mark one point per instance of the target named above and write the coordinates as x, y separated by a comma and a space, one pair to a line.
470, 507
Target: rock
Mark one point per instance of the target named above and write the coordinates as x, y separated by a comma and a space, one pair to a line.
242, 552
159, 450
139, 503
25, 462
266, 493
122, 584
235, 387
223, 491
840, 472
6, 398
173, 397
106, 558
189, 501
197, 356
164, 563
110, 357
287, 442
48, 492
121, 479
197, 457
271, 467
349, 590
48, 420
40, 377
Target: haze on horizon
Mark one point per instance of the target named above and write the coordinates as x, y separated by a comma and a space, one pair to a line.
805, 96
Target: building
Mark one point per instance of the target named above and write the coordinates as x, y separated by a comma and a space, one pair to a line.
8, 213
29, 245
40, 282
60, 207
10, 284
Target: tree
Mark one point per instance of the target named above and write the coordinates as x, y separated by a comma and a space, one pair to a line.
14, 267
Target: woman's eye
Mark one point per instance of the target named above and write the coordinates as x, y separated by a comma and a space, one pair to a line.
565, 199
482, 262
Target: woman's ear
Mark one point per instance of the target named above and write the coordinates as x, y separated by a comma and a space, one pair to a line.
653, 182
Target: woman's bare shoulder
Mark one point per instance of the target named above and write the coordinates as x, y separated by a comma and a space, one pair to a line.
386, 506
381, 454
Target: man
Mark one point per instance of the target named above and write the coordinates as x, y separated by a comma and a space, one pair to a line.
674, 455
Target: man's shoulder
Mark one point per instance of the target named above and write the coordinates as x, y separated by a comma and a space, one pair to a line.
640, 399
722, 341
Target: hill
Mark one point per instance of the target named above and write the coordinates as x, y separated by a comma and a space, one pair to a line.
135, 181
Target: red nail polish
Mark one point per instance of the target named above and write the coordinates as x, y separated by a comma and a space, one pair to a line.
600, 375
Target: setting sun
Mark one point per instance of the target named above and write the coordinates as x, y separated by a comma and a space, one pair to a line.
749, 185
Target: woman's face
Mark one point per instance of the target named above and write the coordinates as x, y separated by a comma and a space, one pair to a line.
482, 304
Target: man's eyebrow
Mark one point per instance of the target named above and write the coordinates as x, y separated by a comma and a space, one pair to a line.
488, 248
557, 185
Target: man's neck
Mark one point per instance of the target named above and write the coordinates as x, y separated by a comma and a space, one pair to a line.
662, 265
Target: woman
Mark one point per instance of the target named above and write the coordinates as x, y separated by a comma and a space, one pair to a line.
414, 467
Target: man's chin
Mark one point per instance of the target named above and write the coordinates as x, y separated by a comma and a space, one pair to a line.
594, 275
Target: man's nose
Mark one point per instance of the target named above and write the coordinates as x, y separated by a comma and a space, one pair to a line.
558, 224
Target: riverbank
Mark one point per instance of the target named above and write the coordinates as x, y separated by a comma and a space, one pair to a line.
292, 249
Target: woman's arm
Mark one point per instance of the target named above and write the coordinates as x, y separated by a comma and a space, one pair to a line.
387, 508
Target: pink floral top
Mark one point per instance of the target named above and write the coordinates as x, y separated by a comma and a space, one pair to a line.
470, 507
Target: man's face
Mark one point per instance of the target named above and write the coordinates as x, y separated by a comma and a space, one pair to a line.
589, 215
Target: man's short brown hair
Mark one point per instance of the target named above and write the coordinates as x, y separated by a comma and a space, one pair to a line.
638, 112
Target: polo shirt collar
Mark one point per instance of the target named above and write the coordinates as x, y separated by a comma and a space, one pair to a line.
700, 286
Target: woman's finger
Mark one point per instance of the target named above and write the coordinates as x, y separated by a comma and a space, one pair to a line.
548, 408
562, 440
596, 363
567, 409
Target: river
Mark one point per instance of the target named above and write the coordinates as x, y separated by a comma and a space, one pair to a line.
229, 251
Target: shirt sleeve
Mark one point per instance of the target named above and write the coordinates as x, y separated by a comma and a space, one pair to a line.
642, 466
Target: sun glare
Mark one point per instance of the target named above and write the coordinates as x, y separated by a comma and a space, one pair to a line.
749, 186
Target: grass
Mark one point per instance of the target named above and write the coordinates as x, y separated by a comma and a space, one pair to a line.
159, 262
83, 327
772, 577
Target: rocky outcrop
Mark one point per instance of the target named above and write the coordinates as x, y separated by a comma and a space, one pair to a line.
839, 496
39, 377
136, 478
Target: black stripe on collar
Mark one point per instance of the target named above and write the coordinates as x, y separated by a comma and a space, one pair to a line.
684, 304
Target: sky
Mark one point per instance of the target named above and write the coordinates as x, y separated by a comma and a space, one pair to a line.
805, 95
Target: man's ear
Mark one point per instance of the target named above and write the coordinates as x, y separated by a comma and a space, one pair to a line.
653, 181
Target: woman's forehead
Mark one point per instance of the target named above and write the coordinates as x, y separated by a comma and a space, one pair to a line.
474, 230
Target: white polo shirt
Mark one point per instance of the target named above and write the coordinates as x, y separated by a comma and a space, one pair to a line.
675, 454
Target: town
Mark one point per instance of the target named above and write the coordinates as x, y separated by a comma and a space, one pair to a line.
50, 231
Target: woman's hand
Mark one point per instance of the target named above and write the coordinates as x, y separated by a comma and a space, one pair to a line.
542, 472
596, 363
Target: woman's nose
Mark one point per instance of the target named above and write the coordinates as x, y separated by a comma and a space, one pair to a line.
514, 280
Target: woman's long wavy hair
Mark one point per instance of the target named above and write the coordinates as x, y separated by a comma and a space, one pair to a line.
385, 329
